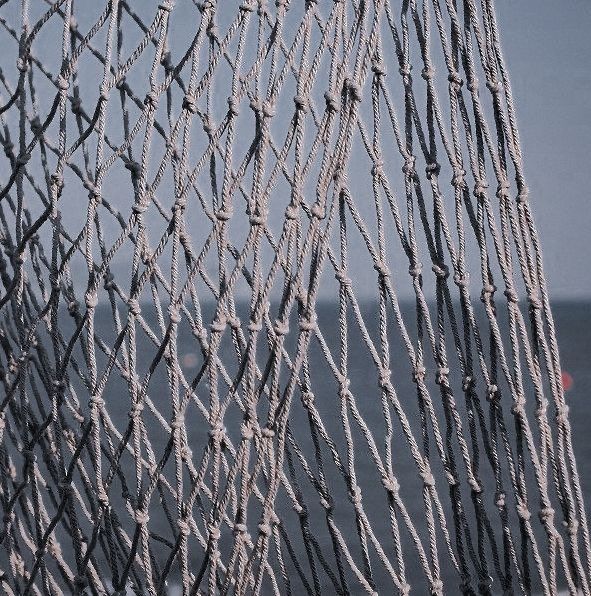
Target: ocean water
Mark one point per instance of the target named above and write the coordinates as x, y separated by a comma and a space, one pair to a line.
574, 333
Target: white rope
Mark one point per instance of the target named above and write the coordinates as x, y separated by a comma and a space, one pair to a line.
262, 161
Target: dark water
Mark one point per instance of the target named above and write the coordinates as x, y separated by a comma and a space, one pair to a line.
574, 331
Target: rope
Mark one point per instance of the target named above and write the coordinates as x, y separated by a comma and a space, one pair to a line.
210, 177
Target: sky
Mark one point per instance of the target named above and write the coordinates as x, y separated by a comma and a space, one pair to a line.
547, 47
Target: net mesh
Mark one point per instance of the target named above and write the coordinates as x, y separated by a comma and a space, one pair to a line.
216, 327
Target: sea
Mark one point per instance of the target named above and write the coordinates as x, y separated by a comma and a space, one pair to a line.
573, 323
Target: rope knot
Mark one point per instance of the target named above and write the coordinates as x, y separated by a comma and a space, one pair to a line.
534, 300
240, 529
134, 306
468, 383
494, 86
267, 432
381, 268
409, 166
214, 533
462, 280
301, 103
184, 526
174, 312
254, 325
291, 212
139, 208
391, 484
354, 89
428, 479
212, 31
458, 178
332, 102
572, 527
418, 374
63, 83
217, 433
223, 214
384, 378
246, 431
259, 219
441, 376
562, 414
234, 323
546, 515
518, 407
189, 104
308, 398
473, 85
318, 211
136, 411
492, 392
355, 495
455, 80
141, 517
378, 167
265, 529
432, 169
342, 278
487, 292
522, 511
441, 270
415, 270
23, 63
280, 328
503, 189
511, 295
405, 71
96, 401
500, 500
233, 106
268, 109
523, 195
309, 323
177, 422
378, 68
480, 189
151, 99
91, 299
23, 160
427, 73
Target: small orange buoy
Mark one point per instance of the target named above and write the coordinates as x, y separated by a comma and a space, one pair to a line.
567, 380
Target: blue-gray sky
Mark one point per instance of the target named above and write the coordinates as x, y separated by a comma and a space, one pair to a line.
547, 45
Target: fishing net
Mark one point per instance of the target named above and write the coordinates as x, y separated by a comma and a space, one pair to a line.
273, 311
